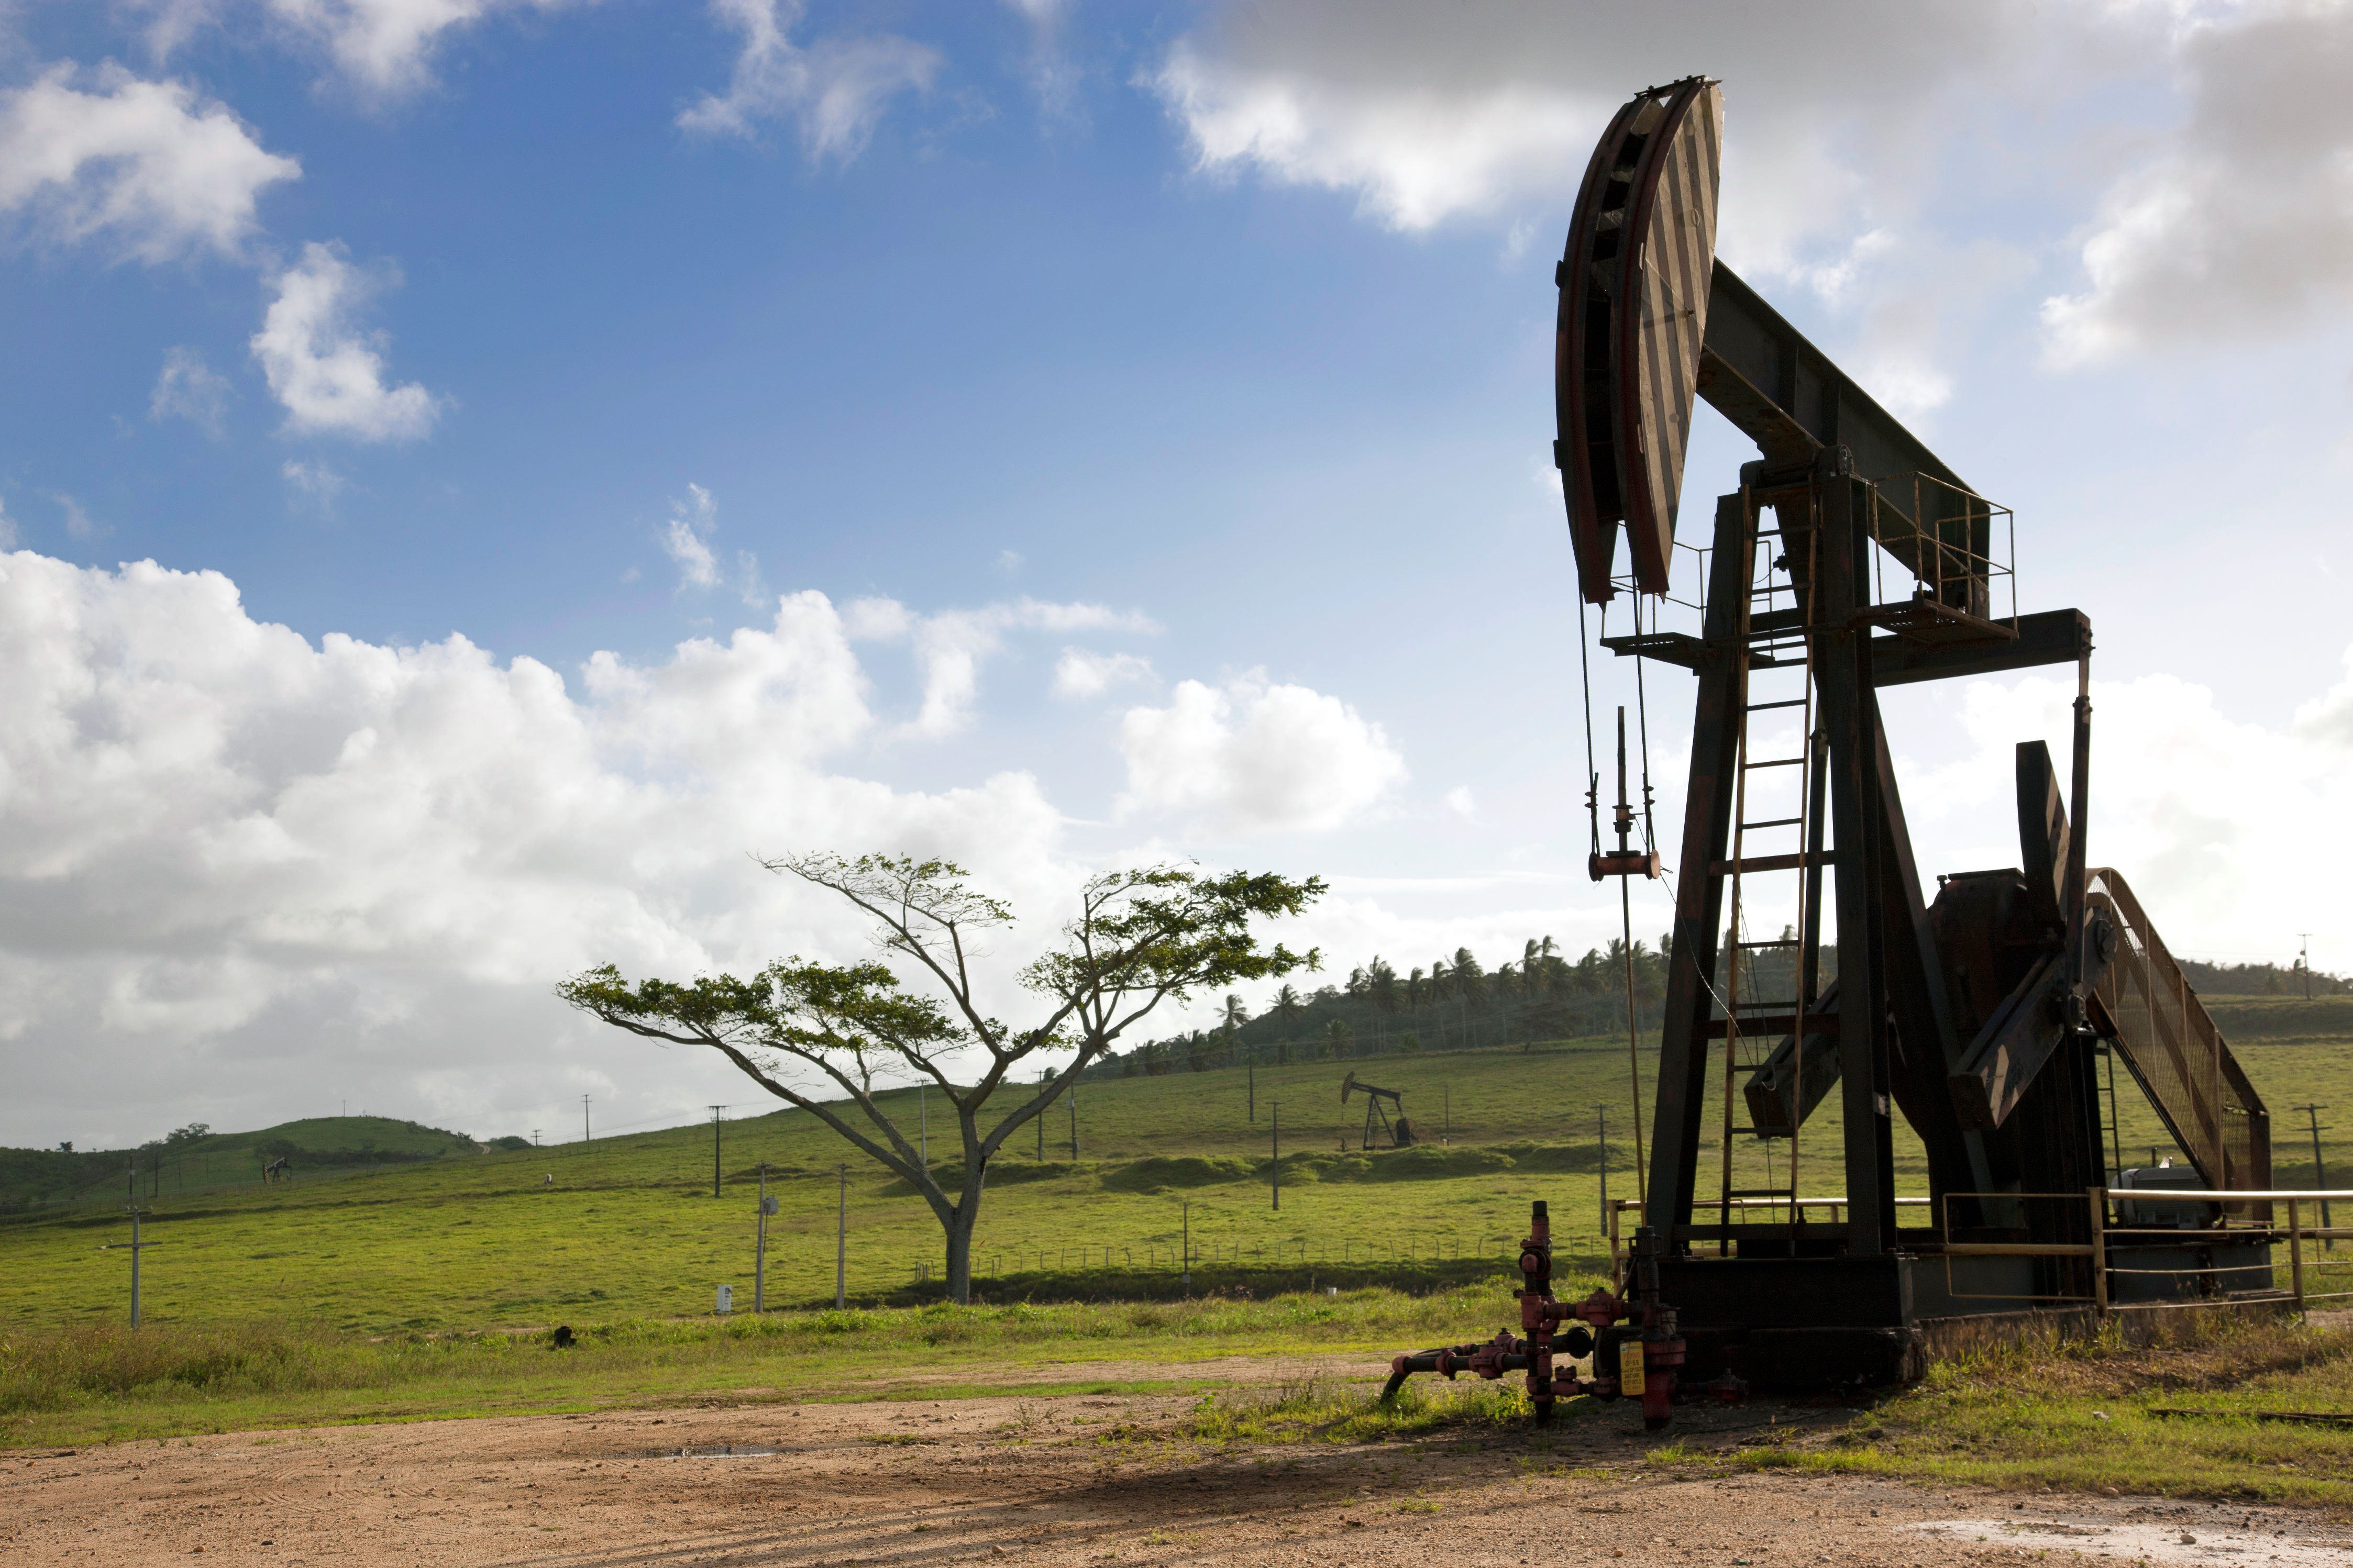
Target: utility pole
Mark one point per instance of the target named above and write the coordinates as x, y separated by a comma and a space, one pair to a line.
1186, 1278
584, 1118
1277, 1156
760, 1247
2319, 1170
842, 1246
535, 1136
1602, 1111
134, 1247
715, 1159
1446, 1126
2305, 963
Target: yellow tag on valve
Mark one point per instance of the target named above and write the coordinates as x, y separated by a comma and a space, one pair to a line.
1629, 1367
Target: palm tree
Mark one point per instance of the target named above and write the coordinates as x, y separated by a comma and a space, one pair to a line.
1235, 1015
1381, 983
1336, 1033
1287, 1007
1469, 981
1535, 965
1441, 986
1592, 974
1417, 990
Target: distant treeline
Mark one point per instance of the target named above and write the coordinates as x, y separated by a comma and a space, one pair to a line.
2259, 980
1458, 1004
1455, 1004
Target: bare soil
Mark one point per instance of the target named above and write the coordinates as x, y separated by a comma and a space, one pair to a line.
1079, 1480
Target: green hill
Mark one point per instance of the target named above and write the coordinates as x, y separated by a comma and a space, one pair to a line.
196, 1159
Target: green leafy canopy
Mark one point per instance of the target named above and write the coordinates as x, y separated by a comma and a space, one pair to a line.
1142, 937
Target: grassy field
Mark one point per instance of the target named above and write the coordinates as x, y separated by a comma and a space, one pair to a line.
105, 1383
627, 1227
2182, 1418
427, 1289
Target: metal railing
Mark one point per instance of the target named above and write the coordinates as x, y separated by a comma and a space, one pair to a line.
2295, 1232
2104, 1233
1945, 536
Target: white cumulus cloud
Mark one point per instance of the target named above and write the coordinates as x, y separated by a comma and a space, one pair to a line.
686, 538
1839, 165
243, 867
2241, 223
950, 645
1426, 114
187, 388
327, 371
1081, 673
315, 482
2172, 773
1251, 756
149, 166
834, 88
386, 46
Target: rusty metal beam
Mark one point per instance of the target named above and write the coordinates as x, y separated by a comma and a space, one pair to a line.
1699, 900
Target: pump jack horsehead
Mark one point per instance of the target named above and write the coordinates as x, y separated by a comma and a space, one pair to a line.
1981, 1018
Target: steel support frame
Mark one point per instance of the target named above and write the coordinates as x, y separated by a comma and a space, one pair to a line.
1850, 712
1894, 1016
1683, 1043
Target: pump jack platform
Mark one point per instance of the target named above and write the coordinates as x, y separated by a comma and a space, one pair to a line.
1981, 1017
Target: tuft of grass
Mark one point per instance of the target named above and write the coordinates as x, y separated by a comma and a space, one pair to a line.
94, 1383
1319, 1410
2073, 1414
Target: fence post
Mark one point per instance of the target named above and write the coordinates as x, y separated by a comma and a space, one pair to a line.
2099, 1196
2295, 1255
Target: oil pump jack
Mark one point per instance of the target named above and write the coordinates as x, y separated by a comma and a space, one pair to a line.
1980, 1018
1399, 1132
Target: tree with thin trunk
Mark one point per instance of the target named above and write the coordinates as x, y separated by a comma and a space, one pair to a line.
1141, 938
1287, 1007
1535, 965
1335, 1035
1470, 987
1232, 1017
1381, 985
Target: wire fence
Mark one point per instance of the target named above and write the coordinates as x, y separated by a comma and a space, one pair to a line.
806, 1268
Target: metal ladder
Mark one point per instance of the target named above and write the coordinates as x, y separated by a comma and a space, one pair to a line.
1774, 581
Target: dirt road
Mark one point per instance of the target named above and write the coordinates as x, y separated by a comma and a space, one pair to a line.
1079, 1481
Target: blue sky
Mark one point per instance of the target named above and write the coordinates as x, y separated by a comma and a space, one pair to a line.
1158, 397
